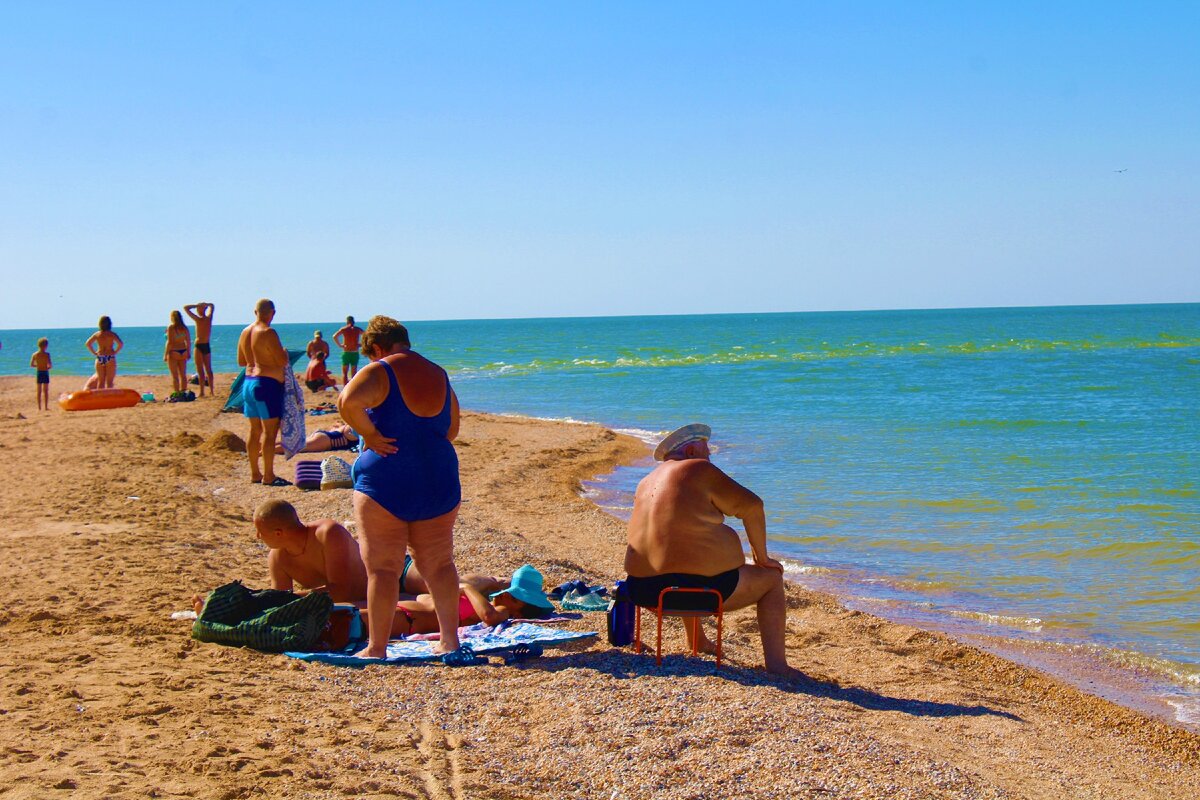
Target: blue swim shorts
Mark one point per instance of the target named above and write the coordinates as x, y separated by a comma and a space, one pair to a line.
262, 398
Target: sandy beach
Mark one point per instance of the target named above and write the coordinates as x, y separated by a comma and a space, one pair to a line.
115, 518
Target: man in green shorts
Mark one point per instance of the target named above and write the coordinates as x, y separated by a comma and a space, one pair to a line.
347, 338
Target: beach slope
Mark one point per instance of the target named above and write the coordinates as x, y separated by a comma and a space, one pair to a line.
113, 519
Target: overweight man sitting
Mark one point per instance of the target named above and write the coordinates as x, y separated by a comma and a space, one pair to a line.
678, 537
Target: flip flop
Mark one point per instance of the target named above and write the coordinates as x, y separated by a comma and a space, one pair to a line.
464, 656
522, 652
279, 482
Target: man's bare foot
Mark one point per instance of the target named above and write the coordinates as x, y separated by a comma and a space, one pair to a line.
784, 671
198, 603
367, 652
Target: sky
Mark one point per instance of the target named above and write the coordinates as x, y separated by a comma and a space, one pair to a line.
490, 160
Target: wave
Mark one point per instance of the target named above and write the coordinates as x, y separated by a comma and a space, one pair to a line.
739, 355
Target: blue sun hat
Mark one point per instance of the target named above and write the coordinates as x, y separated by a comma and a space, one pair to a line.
526, 586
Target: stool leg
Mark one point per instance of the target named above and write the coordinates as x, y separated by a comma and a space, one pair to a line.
637, 632
720, 621
695, 635
658, 647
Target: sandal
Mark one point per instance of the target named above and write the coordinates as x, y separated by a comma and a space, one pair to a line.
464, 656
522, 652
278, 482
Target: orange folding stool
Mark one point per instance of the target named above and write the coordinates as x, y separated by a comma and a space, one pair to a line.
693, 618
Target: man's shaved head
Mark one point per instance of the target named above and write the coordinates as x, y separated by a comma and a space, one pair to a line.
277, 514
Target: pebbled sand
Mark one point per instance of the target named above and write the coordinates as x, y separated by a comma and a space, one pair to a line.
102, 694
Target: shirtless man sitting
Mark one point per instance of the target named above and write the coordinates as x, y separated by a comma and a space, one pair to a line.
678, 537
262, 354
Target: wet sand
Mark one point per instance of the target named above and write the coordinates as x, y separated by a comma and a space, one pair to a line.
115, 518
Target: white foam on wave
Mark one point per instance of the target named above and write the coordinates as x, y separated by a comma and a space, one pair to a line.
649, 437
1031, 624
1187, 709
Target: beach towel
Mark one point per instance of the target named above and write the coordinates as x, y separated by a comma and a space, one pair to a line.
484, 640
291, 425
233, 403
268, 619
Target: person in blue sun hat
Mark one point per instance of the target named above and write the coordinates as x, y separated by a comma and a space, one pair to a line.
526, 587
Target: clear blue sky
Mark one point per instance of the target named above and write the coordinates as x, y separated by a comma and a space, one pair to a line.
440, 161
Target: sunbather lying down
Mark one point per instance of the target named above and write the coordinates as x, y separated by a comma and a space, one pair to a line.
480, 599
338, 437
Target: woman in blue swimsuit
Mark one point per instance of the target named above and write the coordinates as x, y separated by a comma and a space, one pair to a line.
406, 486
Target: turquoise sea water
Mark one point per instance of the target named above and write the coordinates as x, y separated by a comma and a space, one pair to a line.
1031, 472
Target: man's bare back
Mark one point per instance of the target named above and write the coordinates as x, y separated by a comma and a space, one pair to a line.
678, 522
261, 352
348, 336
327, 559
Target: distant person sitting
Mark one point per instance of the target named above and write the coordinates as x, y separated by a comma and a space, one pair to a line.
339, 437
317, 377
678, 537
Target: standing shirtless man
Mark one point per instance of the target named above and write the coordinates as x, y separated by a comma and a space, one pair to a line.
202, 314
347, 338
265, 360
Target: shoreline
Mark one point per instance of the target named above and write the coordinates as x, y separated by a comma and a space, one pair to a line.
1132, 679
1091, 667
98, 678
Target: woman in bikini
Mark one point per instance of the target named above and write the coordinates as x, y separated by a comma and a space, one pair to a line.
338, 437
179, 344
479, 600
106, 346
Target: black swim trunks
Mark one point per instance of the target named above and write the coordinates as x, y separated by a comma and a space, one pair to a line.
43, 376
644, 591
203, 347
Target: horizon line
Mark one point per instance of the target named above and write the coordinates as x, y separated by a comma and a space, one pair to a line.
876, 310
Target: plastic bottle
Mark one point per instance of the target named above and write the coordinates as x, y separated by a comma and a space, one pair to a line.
620, 617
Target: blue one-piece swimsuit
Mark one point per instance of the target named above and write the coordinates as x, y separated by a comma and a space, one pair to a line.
420, 480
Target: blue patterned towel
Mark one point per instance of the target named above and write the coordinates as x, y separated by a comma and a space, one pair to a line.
484, 641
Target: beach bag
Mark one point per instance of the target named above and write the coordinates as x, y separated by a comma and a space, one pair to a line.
621, 613
308, 475
269, 619
335, 474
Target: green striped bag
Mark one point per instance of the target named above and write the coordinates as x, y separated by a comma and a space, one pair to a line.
269, 619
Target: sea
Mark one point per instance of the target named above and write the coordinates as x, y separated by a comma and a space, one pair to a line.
1022, 478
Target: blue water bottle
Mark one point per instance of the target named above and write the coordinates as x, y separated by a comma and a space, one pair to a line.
620, 617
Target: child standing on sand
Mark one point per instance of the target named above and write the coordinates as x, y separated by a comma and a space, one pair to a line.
40, 360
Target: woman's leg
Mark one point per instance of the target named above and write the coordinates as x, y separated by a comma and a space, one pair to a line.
382, 539
432, 542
